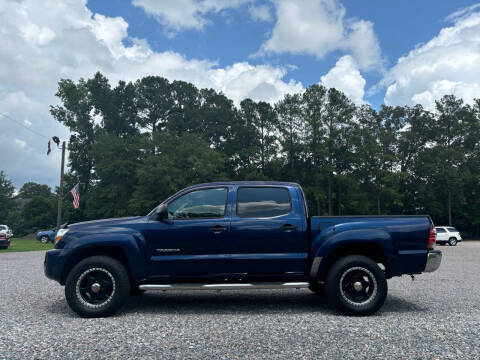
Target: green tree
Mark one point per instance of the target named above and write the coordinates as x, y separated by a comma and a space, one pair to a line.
6, 197
31, 189
181, 161
76, 114
291, 128
39, 213
449, 137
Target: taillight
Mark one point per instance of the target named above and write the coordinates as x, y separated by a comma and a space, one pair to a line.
432, 238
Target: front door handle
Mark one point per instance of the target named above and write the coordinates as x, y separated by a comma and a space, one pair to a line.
288, 227
217, 229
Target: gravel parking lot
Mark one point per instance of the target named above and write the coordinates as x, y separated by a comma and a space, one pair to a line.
436, 316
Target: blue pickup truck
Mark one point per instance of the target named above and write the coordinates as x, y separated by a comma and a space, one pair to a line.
239, 235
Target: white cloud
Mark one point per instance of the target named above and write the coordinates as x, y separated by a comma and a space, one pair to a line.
185, 14
319, 27
260, 13
71, 42
447, 64
346, 77
20, 144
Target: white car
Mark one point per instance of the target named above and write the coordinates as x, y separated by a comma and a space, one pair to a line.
4, 229
447, 234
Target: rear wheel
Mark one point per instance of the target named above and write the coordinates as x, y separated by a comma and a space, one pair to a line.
356, 285
97, 286
452, 241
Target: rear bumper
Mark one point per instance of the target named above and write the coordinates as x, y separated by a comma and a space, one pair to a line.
434, 259
5, 243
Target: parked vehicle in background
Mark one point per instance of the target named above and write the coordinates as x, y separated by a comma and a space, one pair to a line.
239, 235
4, 241
4, 229
47, 235
447, 234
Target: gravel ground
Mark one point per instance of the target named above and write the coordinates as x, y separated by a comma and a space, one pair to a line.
436, 316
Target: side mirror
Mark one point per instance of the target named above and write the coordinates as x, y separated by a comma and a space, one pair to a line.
161, 214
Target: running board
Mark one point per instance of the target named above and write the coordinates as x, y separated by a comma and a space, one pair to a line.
236, 286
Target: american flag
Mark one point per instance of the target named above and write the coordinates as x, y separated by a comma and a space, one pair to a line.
76, 196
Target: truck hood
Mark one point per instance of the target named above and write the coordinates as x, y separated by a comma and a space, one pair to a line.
115, 222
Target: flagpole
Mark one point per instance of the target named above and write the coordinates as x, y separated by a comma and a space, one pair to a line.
60, 195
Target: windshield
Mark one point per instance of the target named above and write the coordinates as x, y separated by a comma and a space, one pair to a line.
3, 227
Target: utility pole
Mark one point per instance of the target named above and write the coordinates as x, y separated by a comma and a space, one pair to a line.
60, 195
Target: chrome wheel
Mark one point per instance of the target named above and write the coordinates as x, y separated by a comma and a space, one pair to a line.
358, 286
452, 241
95, 287
44, 239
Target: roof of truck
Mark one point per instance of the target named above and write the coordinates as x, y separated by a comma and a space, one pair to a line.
278, 183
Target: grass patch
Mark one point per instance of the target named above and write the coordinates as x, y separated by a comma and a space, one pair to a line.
17, 245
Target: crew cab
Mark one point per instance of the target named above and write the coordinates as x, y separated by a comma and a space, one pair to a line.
239, 235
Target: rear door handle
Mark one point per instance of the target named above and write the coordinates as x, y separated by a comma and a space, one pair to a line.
217, 229
288, 227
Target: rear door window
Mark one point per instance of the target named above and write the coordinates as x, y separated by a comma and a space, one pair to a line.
262, 202
440, 230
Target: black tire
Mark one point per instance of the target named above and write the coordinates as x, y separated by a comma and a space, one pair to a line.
44, 239
452, 241
112, 282
317, 288
344, 279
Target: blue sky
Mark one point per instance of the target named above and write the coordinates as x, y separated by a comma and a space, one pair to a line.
376, 51
233, 36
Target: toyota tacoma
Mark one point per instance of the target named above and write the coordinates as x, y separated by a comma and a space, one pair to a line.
239, 235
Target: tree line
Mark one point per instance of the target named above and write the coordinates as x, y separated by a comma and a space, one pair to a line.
134, 144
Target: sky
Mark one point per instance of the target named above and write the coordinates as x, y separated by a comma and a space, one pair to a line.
377, 52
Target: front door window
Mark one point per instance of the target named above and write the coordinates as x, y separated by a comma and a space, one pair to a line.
199, 204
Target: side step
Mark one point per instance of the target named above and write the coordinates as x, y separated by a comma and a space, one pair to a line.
236, 286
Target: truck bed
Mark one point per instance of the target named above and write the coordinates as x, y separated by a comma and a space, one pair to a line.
404, 238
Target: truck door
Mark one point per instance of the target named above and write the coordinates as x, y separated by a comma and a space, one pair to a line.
192, 242
268, 235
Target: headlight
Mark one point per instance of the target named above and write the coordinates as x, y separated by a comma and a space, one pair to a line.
60, 234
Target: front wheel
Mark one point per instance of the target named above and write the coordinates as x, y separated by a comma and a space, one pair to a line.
97, 286
44, 239
452, 241
356, 285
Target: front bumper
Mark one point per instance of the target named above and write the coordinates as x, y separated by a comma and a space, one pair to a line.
54, 263
434, 259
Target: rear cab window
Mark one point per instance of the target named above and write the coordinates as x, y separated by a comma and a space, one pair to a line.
263, 202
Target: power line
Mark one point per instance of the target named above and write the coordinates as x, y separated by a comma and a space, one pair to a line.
26, 127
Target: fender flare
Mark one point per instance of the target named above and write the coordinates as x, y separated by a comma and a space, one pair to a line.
329, 242
132, 244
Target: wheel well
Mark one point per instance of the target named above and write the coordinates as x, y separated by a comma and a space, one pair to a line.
112, 251
371, 250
